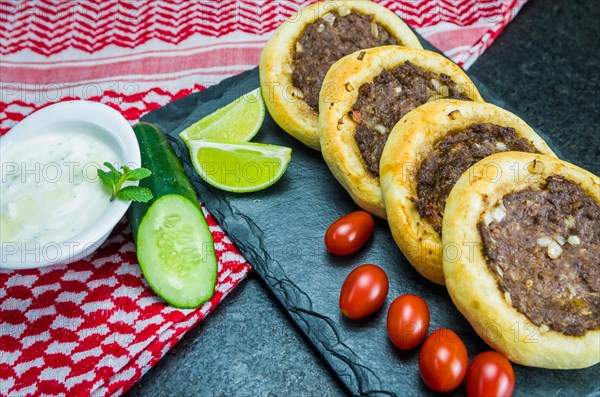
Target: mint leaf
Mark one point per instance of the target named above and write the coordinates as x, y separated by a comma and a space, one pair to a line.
109, 180
135, 193
110, 166
113, 181
138, 174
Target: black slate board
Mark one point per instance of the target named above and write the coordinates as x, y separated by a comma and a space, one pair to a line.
280, 232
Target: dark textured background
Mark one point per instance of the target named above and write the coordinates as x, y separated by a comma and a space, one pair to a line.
546, 65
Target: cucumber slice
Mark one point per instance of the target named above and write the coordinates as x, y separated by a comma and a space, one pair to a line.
176, 252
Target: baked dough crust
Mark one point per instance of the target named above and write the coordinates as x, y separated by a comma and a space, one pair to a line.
472, 285
339, 95
410, 142
291, 113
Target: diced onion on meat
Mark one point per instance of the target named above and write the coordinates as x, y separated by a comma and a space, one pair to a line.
499, 213
441, 90
374, 30
321, 28
487, 218
296, 93
544, 328
329, 18
499, 271
554, 250
560, 239
381, 129
398, 90
344, 11
574, 240
570, 222
299, 47
501, 146
544, 241
585, 311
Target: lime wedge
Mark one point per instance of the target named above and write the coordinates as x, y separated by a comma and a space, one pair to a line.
237, 122
239, 167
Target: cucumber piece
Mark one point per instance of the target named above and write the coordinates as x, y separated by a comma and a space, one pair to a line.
176, 252
174, 245
168, 176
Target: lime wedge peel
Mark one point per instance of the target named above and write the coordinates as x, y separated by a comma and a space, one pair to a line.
239, 167
238, 121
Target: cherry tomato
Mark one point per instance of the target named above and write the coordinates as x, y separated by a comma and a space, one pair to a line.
363, 291
407, 321
490, 375
349, 233
443, 360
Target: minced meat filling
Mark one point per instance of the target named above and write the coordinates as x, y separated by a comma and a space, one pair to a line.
327, 40
391, 95
452, 156
545, 252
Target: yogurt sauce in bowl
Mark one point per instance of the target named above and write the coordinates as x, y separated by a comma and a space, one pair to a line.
53, 208
50, 188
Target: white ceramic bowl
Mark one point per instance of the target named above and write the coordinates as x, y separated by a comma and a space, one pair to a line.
117, 133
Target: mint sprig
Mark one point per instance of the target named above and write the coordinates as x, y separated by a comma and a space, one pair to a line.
113, 180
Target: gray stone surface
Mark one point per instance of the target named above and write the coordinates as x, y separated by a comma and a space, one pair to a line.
246, 347
546, 65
